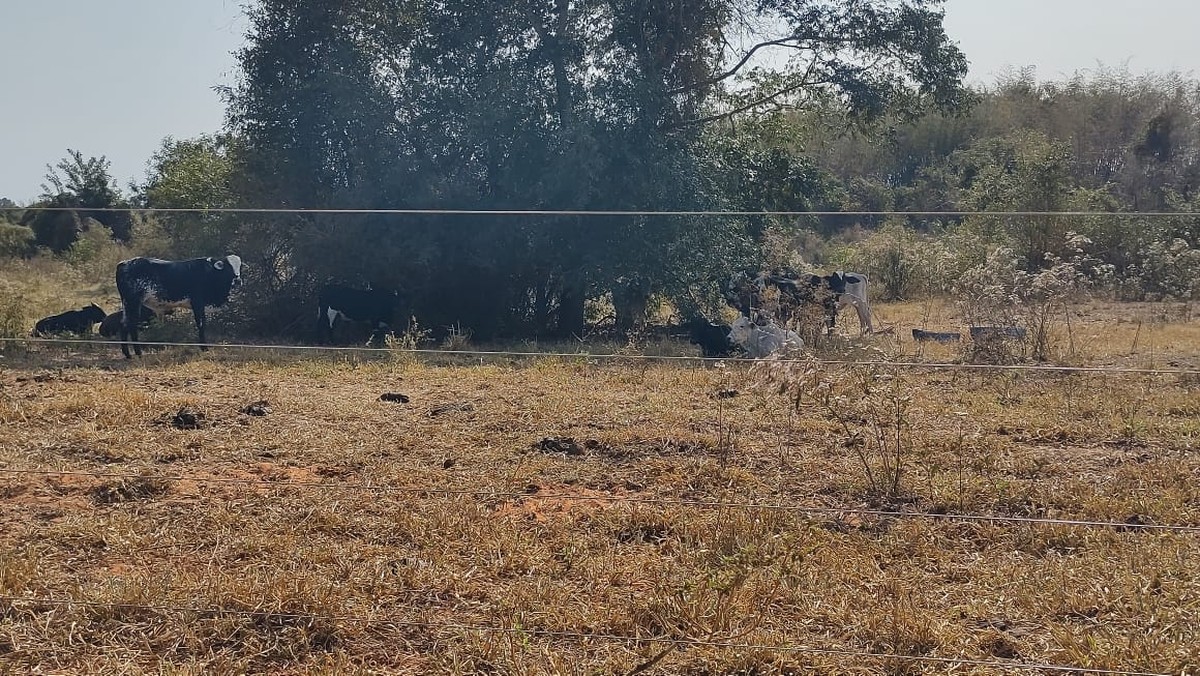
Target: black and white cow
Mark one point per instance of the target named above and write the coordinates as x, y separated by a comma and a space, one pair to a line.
71, 321
713, 338
196, 283
748, 293
850, 288
358, 305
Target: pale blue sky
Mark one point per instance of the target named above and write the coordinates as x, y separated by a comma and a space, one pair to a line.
115, 77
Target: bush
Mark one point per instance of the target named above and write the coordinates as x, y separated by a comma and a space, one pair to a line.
12, 313
16, 241
1001, 293
899, 262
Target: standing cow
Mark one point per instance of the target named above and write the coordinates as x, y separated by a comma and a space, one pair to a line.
358, 305
196, 283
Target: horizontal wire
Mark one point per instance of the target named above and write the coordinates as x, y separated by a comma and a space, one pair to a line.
604, 212
578, 635
618, 499
618, 356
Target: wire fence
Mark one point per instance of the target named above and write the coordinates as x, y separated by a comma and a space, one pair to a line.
609, 212
523, 631
718, 505
616, 356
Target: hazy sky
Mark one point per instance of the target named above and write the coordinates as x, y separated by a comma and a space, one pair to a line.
114, 78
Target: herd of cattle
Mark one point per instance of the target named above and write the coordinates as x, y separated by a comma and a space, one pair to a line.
769, 303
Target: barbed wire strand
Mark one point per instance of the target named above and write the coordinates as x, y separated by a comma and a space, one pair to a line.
603, 212
584, 636
618, 499
631, 357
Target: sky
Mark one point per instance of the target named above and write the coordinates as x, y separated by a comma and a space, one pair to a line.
115, 78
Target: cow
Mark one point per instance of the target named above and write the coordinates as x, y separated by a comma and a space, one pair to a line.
922, 336
762, 341
197, 283
71, 321
111, 326
358, 305
712, 338
984, 333
850, 288
747, 292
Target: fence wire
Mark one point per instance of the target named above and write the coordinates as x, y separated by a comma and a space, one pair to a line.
616, 499
613, 356
608, 212
586, 636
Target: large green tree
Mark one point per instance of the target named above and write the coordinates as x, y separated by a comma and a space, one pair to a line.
547, 104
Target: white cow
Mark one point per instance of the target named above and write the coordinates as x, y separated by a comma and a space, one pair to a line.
851, 289
761, 341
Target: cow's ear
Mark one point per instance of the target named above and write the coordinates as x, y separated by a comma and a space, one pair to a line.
219, 264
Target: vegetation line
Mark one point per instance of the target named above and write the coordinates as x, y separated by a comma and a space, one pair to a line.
550, 633
620, 499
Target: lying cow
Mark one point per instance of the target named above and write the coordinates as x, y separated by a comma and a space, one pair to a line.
358, 305
712, 338
111, 326
762, 341
71, 321
922, 336
196, 283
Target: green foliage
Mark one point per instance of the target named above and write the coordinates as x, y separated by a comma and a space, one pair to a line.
193, 174
16, 241
84, 185
536, 104
900, 262
12, 313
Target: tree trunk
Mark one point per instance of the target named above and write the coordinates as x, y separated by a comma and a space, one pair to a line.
572, 320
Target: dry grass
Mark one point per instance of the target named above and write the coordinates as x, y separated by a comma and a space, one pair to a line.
560, 501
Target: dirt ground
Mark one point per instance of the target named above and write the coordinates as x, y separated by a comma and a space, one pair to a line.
247, 512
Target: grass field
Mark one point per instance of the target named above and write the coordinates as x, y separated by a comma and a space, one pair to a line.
575, 515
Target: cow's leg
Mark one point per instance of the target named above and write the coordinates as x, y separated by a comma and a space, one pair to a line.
131, 316
860, 308
198, 313
864, 315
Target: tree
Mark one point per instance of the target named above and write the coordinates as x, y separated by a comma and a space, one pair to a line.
83, 185
193, 174
544, 104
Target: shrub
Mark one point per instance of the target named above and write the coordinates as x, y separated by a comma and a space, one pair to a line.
16, 241
12, 313
899, 262
1001, 293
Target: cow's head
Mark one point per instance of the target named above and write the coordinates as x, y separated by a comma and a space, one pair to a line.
94, 313
741, 330
229, 267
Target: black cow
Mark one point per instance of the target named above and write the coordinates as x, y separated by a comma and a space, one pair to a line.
196, 283
356, 305
922, 336
712, 338
984, 333
71, 321
111, 326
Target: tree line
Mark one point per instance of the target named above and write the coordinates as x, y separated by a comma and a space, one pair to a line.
680, 105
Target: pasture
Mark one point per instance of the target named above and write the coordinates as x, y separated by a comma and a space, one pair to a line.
261, 512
